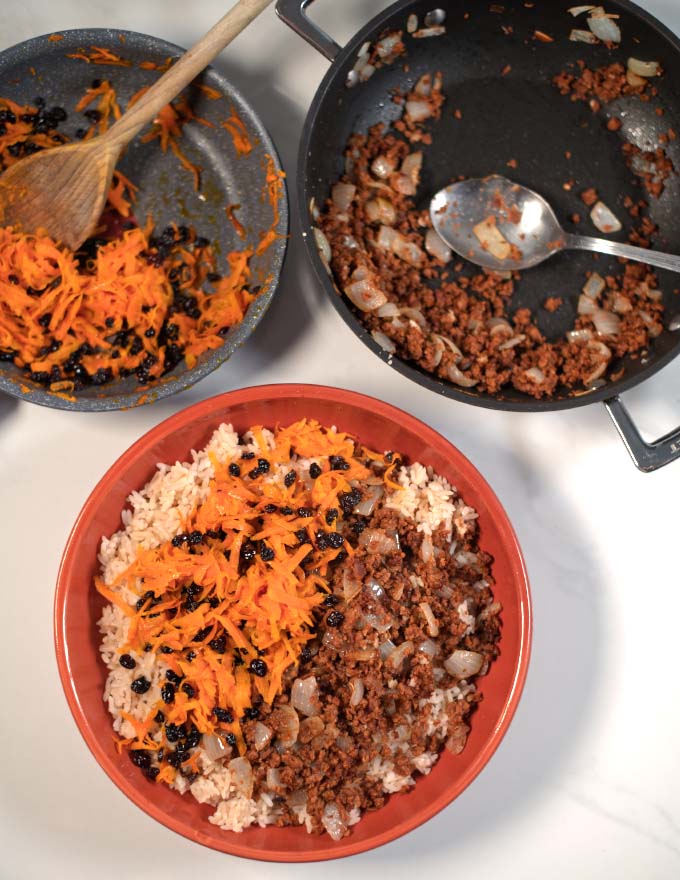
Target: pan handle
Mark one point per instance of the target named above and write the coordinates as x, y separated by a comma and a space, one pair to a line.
294, 15
647, 457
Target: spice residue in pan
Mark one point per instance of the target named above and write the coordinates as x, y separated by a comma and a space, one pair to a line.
297, 625
423, 306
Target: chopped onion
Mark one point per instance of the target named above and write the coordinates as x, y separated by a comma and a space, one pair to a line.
492, 239
511, 343
389, 310
380, 210
356, 691
404, 185
363, 292
634, 80
304, 695
322, 245
412, 23
580, 36
576, 336
274, 781
384, 341
578, 10
439, 349
621, 304
377, 541
396, 659
385, 47
417, 316
408, 251
451, 345
535, 374
262, 735
437, 247
381, 623
386, 649
376, 590
431, 620
418, 111
215, 747
286, 722
495, 325
653, 328
350, 586
423, 33
242, 776
644, 68
594, 286
604, 28
366, 72
313, 210
342, 195
463, 664
604, 219
456, 741
426, 549
423, 88
429, 648
411, 166
386, 237
370, 498
586, 305
600, 347
599, 371
344, 743
459, 378
332, 821
606, 323
382, 167
311, 727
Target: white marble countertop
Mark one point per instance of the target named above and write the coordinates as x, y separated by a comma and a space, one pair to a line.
584, 785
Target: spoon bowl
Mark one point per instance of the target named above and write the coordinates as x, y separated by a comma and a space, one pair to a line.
501, 225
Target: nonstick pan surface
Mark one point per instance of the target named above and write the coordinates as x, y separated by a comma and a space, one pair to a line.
517, 116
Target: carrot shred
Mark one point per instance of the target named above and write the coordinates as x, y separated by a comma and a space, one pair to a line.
100, 55
239, 133
245, 627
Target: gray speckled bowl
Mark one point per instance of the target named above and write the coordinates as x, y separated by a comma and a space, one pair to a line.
40, 67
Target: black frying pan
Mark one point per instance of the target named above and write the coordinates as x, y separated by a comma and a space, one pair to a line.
519, 116
40, 67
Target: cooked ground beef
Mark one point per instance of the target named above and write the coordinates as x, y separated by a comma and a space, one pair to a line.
460, 324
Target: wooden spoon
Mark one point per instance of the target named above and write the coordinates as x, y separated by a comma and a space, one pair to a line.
63, 190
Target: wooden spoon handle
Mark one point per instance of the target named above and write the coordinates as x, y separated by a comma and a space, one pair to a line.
183, 71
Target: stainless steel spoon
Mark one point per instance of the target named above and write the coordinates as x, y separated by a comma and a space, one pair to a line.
501, 225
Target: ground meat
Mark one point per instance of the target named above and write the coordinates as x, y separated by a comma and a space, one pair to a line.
552, 304
457, 323
602, 85
653, 166
336, 748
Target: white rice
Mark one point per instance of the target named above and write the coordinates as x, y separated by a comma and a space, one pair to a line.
154, 515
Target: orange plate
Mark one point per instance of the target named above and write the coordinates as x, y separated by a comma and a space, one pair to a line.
78, 607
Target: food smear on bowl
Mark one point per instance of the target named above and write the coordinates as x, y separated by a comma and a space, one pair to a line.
295, 626
133, 300
460, 323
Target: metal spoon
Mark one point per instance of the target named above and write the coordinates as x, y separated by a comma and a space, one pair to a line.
526, 233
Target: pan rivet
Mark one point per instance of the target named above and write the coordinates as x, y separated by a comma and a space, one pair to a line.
352, 79
435, 17
674, 323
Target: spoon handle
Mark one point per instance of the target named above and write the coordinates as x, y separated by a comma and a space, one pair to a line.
616, 249
183, 71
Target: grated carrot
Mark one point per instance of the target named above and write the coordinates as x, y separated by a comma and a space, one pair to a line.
213, 617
